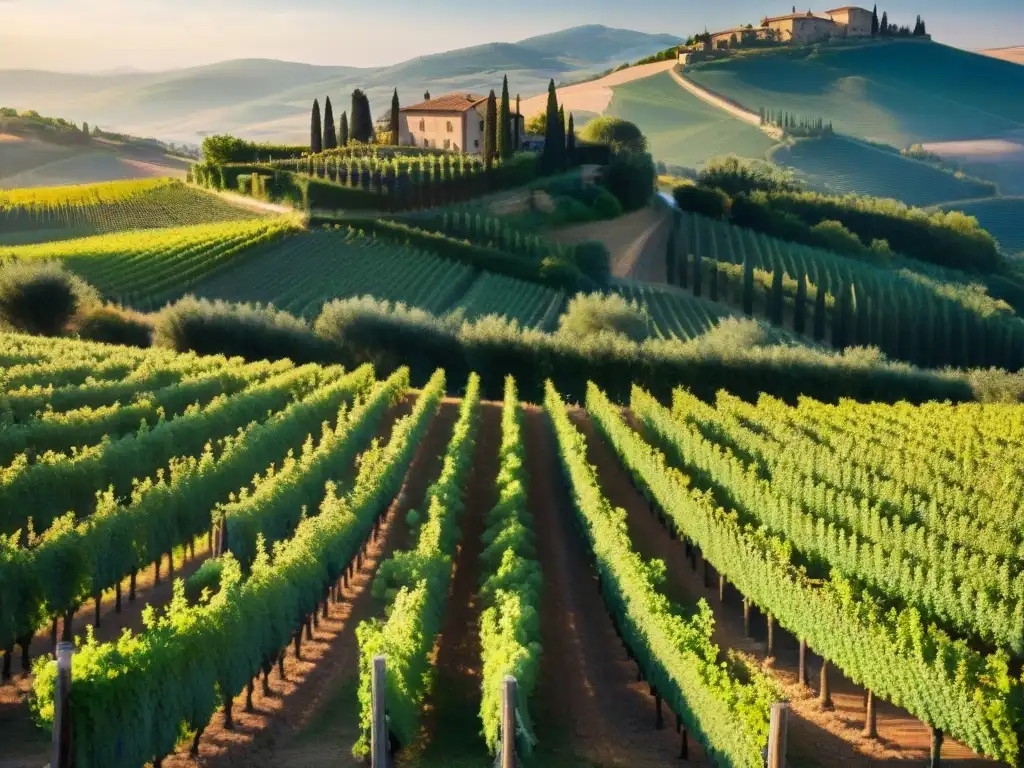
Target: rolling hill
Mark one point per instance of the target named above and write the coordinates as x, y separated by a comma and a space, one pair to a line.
898, 93
269, 100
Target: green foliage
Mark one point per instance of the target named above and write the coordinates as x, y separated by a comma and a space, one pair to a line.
594, 260
115, 325
734, 175
597, 314
835, 237
710, 202
505, 143
41, 297
725, 706
416, 582
330, 137
944, 681
511, 588
222, 149
621, 135
631, 178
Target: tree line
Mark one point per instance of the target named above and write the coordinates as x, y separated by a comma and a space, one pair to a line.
884, 28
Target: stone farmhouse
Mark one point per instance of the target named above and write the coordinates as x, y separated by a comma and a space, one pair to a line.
454, 121
848, 21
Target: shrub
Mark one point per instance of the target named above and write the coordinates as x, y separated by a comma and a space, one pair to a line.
710, 202
569, 210
114, 325
251, 331
40, 297
631, 178
733, 176
230, 149
606, 205
597, 313
621, 135
594, 260
835, 237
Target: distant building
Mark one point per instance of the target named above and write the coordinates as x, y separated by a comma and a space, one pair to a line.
854, 21
454, 121
848, 21
801, 27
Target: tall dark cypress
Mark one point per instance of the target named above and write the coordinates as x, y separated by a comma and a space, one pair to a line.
841, 330
800, 305
883, 27
864, 307
504, 147
820, 310
394, 118
698, 274
561, 132
874, 22
551, 156
361, 127
518, 138
570, 140
330, 134
778, 301
490, 130
713, 291
670, 256
315, 134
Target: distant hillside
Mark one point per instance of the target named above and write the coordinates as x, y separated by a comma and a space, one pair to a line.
269, 100
898, 93
37, 151
1013, 53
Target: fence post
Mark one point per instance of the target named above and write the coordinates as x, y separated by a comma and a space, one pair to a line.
509, 692
61, 754
379, 728
777, 735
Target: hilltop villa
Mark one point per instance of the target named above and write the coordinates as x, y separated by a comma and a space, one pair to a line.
454, 121
848, 21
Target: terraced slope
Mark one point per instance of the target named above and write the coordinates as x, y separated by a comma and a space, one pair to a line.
840, 166
682, 129
891, 92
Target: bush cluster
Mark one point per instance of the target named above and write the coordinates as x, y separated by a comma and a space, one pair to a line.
41, 297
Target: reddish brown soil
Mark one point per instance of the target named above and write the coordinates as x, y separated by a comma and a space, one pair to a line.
816, 737
274, 734
452, 720
587, 688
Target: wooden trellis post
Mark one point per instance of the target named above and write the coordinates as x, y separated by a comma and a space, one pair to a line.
777, 731
61, 754
509, 693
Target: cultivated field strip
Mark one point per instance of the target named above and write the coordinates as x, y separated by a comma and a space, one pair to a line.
114, 207
207, 652
416, 582
307, 271
676, 314
529, 304
886, 645
68, 563
725, 705
511, 587
144, 268
56, 483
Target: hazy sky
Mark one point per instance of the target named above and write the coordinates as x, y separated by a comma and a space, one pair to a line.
93, 35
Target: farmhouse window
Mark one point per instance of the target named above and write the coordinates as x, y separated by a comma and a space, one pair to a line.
450, 129
423, 125
476, 143
447, 143
481, 125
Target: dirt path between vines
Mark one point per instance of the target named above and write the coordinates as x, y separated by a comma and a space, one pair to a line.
815, 737
587, 687
451, 724
636, 241
311, 719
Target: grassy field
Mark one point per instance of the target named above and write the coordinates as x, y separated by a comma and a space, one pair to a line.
898, 93
144, 268
302, 273
1003, 217
837, 165
52, 213
682, 129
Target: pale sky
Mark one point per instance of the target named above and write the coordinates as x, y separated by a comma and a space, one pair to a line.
95, 35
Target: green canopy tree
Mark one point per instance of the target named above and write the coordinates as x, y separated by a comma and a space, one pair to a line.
330, 135
490, 130
394, 117
505, 147
315, 134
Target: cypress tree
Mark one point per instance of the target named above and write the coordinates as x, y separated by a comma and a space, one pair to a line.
490, 131
426, 95
684, 269
670, 256
561, 132
330, 135
504, 147
570, 141
874, 22
800, 305
820, 310
778, 301
343, 130
748, 286
844, 337
394, 117
315, 133
518, 138
85, 129
551, 156
883, 27
713, 291
361, 128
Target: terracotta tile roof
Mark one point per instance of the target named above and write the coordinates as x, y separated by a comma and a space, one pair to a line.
849, 8
755, 30
789, 16
450, 102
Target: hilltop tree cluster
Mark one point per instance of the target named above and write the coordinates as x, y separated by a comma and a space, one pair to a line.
324, 134
797, 126
884, 28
